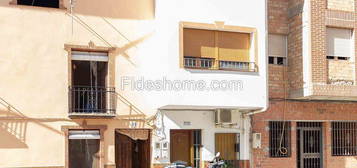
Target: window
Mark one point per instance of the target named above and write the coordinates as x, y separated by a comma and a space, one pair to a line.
339, 43
89, 91
344, 138
277, 49
83, 148
41, 3
212, 49
279, 138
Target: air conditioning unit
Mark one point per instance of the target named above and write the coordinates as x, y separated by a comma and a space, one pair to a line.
227, 116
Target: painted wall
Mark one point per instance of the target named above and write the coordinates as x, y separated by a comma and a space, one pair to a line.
34, 66
203, 120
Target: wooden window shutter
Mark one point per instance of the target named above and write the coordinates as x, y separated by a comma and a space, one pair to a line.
277, 45
233, 46
339, 42
198, 43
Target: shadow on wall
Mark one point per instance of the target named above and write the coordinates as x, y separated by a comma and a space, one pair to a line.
13, 132
13, 126
124, 9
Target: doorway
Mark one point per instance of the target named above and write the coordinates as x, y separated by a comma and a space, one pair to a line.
185, 145
83, 148
309, 145
132, 148
227, 144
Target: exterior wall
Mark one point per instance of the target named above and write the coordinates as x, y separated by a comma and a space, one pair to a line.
346, 5
278, 16
295, 111
340, 71
295, 47
203, 120
143, 40
309, 44
313, 82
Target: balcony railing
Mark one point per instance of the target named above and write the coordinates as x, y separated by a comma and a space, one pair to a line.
200, 63
92, 101
237, 66
210, 63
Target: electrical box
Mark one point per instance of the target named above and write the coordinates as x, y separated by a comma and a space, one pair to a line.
257, 140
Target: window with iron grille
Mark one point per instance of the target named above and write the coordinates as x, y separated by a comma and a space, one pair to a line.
197, 139
344, 138
280, 138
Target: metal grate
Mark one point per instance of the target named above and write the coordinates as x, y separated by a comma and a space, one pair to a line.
309, 124
280, 138
344, 138
235, 65
196, 148
309, 144
201, 63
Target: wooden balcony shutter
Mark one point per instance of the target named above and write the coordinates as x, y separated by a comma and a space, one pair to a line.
233, 46
199, 43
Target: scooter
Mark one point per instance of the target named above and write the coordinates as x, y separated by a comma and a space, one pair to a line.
178, 164
216, 162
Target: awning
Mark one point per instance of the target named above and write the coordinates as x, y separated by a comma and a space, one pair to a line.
84, 134
135, 134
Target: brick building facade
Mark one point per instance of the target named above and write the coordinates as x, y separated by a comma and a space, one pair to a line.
313, 87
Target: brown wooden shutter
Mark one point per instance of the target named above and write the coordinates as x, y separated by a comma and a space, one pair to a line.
233, 46
199, 43
225, 144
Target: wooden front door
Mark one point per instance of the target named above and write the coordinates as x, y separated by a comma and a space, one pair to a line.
225, 144
130, 153
180, 145
123, 151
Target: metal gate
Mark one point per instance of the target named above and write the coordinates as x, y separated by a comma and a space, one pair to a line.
309, 144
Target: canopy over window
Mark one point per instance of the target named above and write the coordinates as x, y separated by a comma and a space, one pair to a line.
339, 42
90, 56
84, 134
135, 134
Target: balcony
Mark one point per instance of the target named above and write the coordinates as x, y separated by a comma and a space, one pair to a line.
92, 101
212, 64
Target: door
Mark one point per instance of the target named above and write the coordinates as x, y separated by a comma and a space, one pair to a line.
309, 145
180, 146
227, 144
123, 151
132, 148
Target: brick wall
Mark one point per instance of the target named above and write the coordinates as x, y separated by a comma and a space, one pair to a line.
340, 72
284, 17
278, 16
302, 111
277, 81
318, 41
295, 72
346, 5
